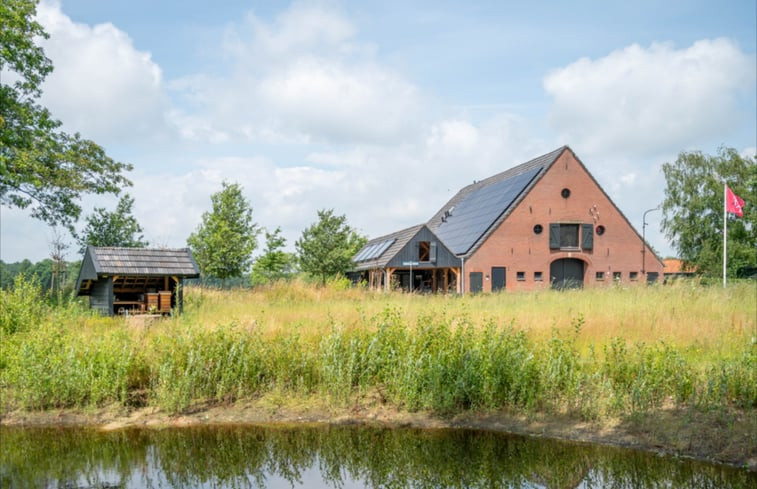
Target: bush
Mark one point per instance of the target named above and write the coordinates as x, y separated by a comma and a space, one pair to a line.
21, 307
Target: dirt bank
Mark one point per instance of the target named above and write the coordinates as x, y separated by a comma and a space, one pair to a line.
725, 436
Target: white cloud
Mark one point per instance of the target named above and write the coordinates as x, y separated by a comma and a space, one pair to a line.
301, 28
644, 101
102, 86
300, 78
336, 102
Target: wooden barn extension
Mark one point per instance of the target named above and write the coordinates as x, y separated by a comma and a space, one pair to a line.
135, 280
413, 259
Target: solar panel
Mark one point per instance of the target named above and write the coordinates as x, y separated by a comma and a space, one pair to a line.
368, 252
361, 254
382, 247
374, 250
478, 211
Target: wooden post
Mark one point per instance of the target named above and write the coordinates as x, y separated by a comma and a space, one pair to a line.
388, 284
456, 272
446, 280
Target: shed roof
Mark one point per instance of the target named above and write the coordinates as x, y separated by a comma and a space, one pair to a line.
675, 265
142, 261
398, 241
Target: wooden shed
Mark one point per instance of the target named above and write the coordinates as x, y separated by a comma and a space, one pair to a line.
135, 280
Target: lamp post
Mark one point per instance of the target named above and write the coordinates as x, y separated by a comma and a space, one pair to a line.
644, 242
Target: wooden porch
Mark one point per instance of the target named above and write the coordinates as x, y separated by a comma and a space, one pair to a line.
429, 280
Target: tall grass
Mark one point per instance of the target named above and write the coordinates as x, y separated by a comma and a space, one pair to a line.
591, 354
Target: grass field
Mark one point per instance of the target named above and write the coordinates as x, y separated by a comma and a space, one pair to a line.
591, 353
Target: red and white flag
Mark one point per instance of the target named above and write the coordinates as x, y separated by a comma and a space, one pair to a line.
733, 203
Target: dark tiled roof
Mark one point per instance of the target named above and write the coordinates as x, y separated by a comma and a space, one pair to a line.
144, 261
400, 240
477, 210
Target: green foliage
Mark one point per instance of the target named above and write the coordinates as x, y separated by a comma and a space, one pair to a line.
41, 271
117, 228
693, 209
21, 307
53, 368
445, 363
41, 167
274, 264
223, 243
326, 247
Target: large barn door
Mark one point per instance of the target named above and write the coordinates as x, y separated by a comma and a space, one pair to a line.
567, 273
498, 278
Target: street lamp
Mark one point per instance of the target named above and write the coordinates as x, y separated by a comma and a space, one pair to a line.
644, 241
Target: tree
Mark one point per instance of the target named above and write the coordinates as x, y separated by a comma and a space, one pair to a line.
274, 264
118, 228
326, 248
41, 167
693, 209
223, 243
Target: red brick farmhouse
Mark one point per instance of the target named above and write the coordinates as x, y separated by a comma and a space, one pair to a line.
544, 223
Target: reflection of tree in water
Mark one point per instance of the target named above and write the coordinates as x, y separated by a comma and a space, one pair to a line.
244, 457
562, 472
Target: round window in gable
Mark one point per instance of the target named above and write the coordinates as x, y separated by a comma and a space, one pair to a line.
600, 230
538, 229
565, 193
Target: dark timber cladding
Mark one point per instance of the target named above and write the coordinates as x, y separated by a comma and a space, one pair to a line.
135, 280
413, 259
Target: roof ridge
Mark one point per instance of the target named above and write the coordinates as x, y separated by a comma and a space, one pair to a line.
538, 164
523, 167
395, 233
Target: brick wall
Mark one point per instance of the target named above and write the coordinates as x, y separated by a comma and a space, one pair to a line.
514, 244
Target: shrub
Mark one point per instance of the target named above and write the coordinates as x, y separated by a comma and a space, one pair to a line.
21, 307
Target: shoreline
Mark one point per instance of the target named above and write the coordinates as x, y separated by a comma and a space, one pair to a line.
724, 437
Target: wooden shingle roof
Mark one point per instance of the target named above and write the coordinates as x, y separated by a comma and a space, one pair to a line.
143, 261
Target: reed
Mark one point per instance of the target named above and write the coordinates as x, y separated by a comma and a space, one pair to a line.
593, 353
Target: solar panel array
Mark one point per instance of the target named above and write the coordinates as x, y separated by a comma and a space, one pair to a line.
477, 211
374, 250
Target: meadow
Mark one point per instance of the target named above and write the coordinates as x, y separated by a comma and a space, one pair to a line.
590, 354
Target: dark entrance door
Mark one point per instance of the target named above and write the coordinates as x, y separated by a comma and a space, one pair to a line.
498, 278
476, 282
567, 273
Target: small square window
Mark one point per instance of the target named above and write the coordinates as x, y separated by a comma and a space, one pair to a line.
537, 276
520, 275
616, 276
633, 275
600, 275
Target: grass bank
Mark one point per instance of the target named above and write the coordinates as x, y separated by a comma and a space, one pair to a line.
588, 355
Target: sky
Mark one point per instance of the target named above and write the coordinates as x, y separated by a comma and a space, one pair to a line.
381, 111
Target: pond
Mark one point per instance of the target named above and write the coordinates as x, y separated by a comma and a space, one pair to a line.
342, 457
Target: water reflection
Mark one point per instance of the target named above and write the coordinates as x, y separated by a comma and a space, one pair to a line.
333, 457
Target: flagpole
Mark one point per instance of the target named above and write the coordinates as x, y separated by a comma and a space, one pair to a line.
725, 228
